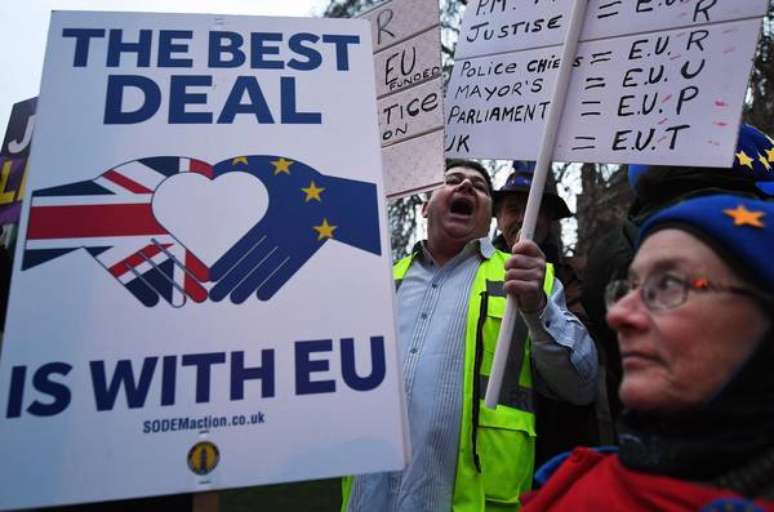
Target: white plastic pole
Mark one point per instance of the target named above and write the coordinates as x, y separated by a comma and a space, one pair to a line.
545, 157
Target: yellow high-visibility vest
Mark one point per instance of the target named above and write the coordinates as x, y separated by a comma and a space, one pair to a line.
496, 449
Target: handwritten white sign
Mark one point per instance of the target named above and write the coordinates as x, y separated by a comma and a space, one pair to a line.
397, 20
495, 26
660, 97
421, 157
408, 64
411, 113
407, 40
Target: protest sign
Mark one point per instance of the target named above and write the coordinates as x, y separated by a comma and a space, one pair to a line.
407, 42
13, 159
201, 294
12, 175
418, 108
496, 26
393, 21
655, 83
18, 134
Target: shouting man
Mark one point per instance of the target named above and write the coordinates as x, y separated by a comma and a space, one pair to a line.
451, 299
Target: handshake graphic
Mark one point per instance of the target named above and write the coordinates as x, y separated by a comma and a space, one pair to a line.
176, 228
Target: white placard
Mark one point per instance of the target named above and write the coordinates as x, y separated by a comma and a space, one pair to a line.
394, 21
496, 26
671, 97
408, 64
411, 113
202, 295
407, 39
423, 156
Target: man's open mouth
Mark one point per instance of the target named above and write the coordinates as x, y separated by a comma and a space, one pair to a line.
462, 206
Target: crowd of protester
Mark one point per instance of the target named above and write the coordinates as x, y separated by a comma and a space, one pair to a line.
645, 385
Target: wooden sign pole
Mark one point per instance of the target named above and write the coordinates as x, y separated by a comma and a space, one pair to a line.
536, 192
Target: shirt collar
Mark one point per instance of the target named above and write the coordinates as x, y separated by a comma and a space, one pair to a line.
483, 245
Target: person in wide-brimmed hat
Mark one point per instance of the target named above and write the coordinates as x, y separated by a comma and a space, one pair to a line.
509, 204
655, 188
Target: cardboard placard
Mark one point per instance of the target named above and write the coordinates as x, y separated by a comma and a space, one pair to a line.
407, 40
408, 64
419, 154
411, 113
395, 21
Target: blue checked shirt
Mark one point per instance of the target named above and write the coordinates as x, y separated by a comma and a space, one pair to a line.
432, 314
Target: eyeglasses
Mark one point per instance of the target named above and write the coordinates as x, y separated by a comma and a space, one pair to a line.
663, 291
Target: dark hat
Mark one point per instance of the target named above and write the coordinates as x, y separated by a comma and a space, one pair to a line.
520, 181
740, 227
753, 161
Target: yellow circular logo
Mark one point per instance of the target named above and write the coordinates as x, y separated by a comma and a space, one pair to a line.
203, 457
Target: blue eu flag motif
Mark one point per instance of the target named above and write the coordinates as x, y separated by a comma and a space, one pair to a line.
306, 210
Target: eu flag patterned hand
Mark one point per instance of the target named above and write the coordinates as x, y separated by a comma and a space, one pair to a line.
306, 210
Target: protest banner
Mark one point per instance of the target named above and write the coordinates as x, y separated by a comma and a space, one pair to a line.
13, 159
407, 43
202, 295
652, 82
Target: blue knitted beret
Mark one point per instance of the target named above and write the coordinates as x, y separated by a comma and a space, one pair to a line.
741, 227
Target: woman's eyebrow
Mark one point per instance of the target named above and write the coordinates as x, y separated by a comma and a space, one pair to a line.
661, 265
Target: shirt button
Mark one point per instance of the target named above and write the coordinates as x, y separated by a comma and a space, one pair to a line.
423, 316
548, 323
413, 350
435, 285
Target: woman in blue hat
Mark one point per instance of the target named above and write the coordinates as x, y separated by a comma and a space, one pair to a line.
656, 188
694, 320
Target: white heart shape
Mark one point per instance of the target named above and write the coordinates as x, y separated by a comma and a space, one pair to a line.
209, 216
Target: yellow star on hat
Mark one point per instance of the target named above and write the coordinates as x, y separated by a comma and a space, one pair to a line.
325, 230
239, 160
744, 217
744, 159
762, 159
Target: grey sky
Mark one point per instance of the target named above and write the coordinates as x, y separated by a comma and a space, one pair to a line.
24, 25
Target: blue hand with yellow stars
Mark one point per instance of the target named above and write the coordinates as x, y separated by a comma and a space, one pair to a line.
306, 210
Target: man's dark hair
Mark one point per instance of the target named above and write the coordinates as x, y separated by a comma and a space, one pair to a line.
471, 164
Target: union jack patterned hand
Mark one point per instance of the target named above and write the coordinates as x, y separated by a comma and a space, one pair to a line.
111, 218
306, 210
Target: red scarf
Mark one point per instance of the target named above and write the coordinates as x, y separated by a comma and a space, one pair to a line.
589, 480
